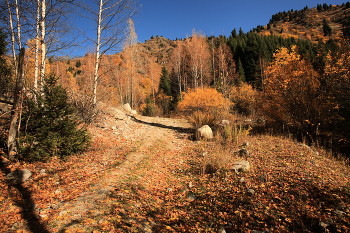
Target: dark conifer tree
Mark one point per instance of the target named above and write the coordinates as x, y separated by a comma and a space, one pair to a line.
164, 83
234, 33
241, 33
49, 126
327, 30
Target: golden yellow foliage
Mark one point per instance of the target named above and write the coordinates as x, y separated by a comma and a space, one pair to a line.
30, 64
204, 106
244, 98
203, 99
292, 91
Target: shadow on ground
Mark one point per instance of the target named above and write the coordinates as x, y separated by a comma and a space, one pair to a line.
22, 197
178, 129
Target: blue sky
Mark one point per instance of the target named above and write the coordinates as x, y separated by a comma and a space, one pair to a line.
176, 18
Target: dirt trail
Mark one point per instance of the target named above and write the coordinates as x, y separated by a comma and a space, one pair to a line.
145, 133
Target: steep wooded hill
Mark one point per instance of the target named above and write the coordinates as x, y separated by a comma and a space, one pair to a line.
321, 23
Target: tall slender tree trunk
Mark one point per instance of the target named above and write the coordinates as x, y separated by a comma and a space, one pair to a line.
97, 55
213, 62
43, 44
13, 37
37, 40
17, 107
18, 25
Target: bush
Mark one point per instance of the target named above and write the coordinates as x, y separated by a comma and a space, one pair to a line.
204, 106
243, 96
149, 108
85, 107
48, 126
199, 118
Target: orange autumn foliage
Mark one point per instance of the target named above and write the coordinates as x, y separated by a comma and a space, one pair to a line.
244, 98
204, 106
30, 64
292, 92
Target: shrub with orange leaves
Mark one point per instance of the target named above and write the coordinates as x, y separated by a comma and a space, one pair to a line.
244, 98
204, 106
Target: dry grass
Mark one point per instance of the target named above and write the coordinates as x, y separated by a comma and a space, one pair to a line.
199, 118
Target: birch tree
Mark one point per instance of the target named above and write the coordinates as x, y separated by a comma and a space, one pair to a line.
177, 62
110, 19
199, 55
225, 68
130, 51
46, 21
22, 11
17, 108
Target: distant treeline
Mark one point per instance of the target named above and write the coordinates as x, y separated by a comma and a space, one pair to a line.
253, 52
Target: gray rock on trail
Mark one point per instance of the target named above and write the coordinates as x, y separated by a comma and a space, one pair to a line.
245, 144
243, 153
127, 107
251, 192
18, 176
241, 166
42, 172
204, 132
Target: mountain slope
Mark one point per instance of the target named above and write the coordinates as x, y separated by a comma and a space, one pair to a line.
308, 23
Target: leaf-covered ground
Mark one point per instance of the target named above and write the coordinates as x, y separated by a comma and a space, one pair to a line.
146, 175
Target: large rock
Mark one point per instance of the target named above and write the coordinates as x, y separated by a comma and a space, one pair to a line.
241, 166
204, 132
19, 176
127, 107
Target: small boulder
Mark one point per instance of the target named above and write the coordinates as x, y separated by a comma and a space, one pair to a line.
127, 107
133, 112
242, 180
241, 166
191, 197
245, 144
250, 192
204, 132
42, 172
18, 176
243, 153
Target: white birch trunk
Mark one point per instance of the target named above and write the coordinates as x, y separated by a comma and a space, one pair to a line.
13, 39
43, 44
18, 26
37, 40
97, 55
